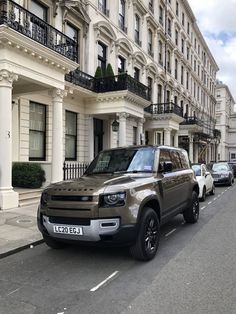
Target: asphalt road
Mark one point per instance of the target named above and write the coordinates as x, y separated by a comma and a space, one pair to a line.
193, 272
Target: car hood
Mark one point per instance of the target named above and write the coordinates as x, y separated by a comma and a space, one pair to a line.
97, 184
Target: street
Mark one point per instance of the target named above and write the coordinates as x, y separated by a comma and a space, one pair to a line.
194, 271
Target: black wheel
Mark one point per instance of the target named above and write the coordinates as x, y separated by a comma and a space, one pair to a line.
230, 181
52, 243
191, 214
203, 198
147, 241
212, 192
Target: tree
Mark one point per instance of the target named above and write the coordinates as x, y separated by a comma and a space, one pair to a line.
109, 71
98, 73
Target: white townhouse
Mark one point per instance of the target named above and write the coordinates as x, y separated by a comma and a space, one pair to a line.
225, 122
53, 108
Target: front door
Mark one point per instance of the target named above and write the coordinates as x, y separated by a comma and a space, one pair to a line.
98, 135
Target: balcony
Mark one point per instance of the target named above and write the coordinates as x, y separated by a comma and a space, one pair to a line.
108, 84
21, 20
191, 120
164, 108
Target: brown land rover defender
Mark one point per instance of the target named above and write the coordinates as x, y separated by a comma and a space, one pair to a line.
123, 198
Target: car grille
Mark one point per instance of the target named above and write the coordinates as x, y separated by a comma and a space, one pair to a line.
70, 220
215, 176
71, 198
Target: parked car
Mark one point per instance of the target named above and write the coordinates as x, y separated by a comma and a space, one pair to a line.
221, 172
123, 198
205, 181
233, 166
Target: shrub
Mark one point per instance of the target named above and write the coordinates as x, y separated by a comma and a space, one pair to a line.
109, 70
98, 73
27, 175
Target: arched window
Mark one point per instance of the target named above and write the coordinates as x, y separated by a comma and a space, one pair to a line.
137, 29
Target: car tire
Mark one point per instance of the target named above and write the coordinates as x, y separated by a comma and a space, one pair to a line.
147, 241
203, 198
230, 182
191, 214
212, 192
52, 243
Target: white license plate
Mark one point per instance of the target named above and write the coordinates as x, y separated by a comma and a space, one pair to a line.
68, 230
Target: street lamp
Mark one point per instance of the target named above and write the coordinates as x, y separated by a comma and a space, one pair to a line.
115, 126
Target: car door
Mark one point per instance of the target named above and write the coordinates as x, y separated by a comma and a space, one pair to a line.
207, 178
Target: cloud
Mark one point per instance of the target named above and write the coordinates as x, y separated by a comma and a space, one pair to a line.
217, 23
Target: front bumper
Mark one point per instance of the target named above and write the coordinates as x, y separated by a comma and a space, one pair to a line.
224, 180
106, 230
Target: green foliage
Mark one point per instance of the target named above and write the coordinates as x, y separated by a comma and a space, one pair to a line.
109, 70
27, 175
98, 73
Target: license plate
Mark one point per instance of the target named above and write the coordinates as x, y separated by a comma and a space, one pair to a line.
68, 230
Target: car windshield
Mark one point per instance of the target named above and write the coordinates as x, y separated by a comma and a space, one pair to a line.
220, 167
197, 169
123, 160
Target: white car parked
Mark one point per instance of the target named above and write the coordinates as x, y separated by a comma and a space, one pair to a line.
205, 181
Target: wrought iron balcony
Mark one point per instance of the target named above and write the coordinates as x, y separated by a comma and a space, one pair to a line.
164, 108
28, 24
82, 79
191, 120
109, 84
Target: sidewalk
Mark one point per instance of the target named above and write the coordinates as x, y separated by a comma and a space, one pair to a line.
18, 229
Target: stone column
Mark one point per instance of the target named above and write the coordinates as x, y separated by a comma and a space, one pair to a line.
57, 135
122, 128
176, 139
167, 134
196, 153
140, 132
191, 148
8, 198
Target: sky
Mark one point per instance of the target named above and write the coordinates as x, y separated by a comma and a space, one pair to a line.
216, 20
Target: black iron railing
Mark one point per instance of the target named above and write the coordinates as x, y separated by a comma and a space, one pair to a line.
191, 120
82, 79
28, 24
73, 170
164, 108
109, 84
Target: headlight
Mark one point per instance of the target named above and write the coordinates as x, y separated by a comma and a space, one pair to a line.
224, 175
113, 199
44, 199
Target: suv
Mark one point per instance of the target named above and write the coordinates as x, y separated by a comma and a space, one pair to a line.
123, 198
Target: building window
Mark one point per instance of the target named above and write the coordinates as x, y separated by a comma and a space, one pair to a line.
160, 53
134, 135
167, 96
102, 6
188, 53
37, 131
182, 45
176, 69
122, 16
188, 28
149, 83
169, 26
73, 33
176, 37
168, 61
177, 8
233, 156
102, 56
121, 65
151, 7
183, 19
136, 73
150, 40
39, 10
187, 80
182, 75
137, 30
71, 135
161, 15
159, 94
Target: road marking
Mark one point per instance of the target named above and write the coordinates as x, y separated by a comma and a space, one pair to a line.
13, 291
169, 233
104, 281
209, 203
203, 207
214, 198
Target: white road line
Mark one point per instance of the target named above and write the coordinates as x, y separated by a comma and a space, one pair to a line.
104, 281
214, 198
13, 291
169, 233
209, 203
203, 207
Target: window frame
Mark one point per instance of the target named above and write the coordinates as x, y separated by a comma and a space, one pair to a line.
74, 136
102, 60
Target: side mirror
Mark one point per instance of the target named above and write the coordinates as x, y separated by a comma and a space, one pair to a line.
168, 166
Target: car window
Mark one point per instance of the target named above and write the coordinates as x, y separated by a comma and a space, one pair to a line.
220, 167
164, 156
175, 159
197, 169
184, 159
